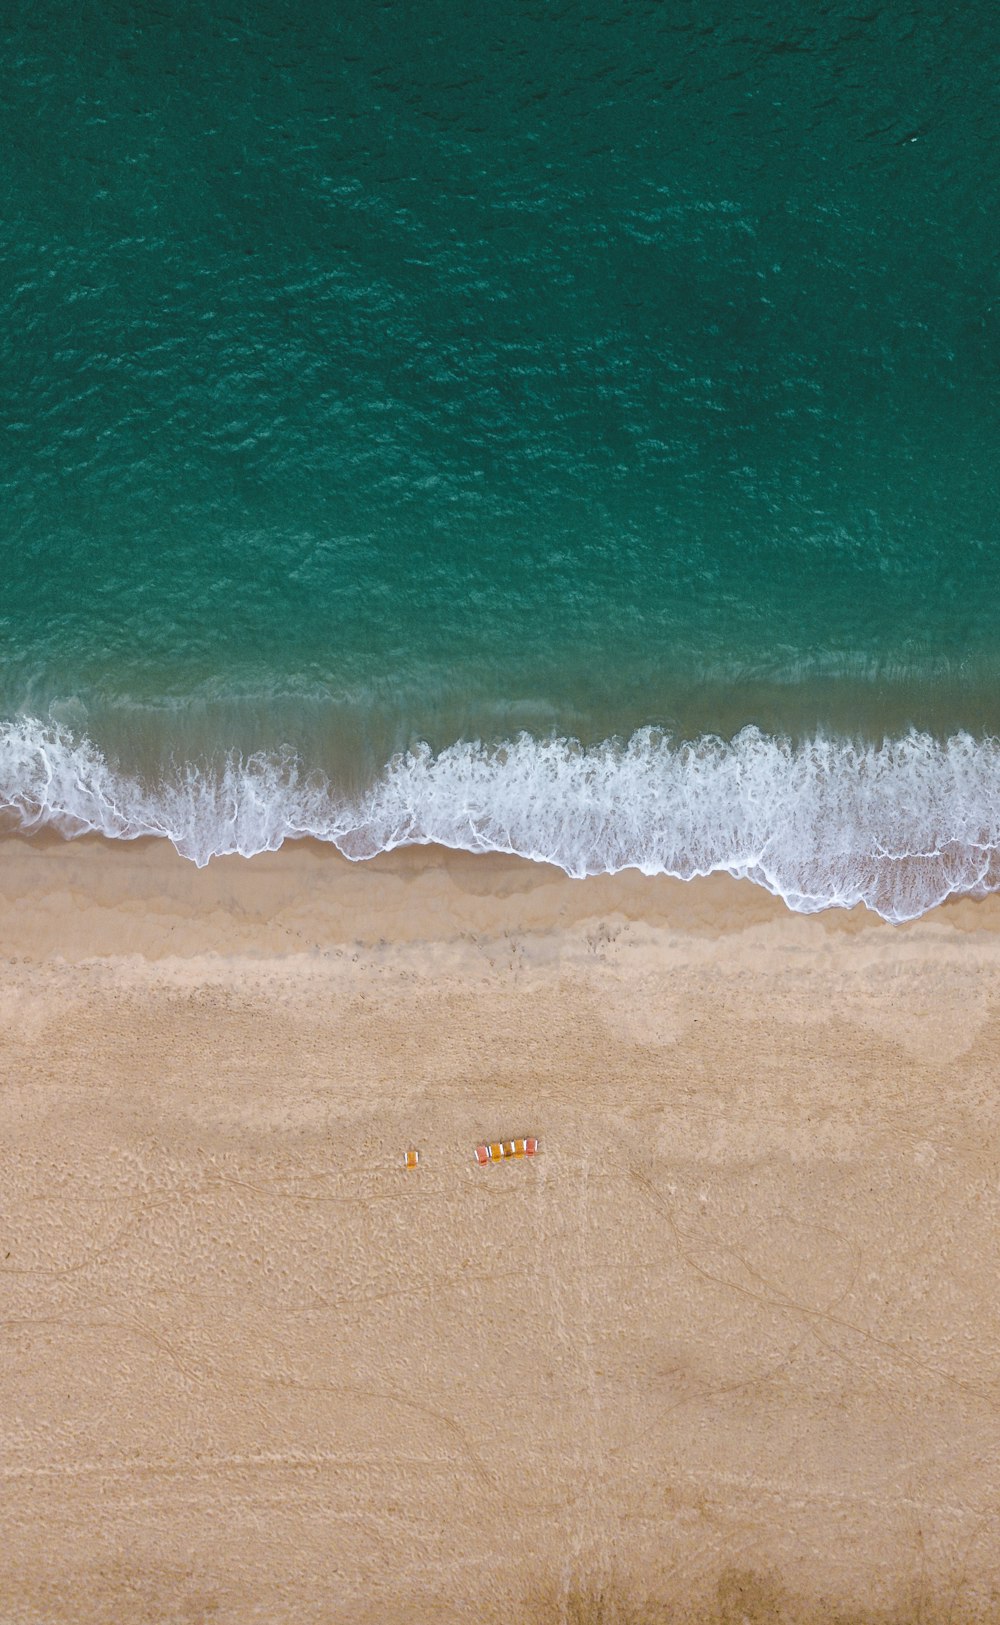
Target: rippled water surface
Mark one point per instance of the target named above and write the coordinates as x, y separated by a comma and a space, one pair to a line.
386, 376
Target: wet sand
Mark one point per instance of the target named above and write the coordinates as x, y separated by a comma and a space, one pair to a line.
728, 1348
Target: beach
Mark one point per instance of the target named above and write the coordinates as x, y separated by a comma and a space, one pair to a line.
499, 643
724, 1350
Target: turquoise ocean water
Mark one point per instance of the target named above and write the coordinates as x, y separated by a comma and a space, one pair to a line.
554, 428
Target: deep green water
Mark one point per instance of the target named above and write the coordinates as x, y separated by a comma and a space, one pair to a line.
377, 374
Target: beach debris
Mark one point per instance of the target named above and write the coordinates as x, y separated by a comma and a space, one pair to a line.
411, 1159
501, 1150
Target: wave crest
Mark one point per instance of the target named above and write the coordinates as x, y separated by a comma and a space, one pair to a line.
826, 823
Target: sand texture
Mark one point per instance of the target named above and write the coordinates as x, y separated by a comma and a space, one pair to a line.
727, 1349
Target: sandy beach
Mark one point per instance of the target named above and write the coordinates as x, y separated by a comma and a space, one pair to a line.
728, 1349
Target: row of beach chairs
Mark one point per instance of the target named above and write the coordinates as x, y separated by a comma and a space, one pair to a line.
495, 1151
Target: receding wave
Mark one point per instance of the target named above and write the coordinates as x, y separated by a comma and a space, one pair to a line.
898, 826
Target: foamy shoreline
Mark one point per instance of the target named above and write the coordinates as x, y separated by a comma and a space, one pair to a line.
727, 1344
899, 825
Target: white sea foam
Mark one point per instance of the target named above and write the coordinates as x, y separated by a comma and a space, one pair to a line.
827, 823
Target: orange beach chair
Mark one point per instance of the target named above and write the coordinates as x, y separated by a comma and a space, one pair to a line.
411, 1159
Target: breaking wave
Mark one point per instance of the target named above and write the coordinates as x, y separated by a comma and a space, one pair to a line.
826, 823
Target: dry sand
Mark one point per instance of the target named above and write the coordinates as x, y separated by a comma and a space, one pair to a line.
728, 1349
